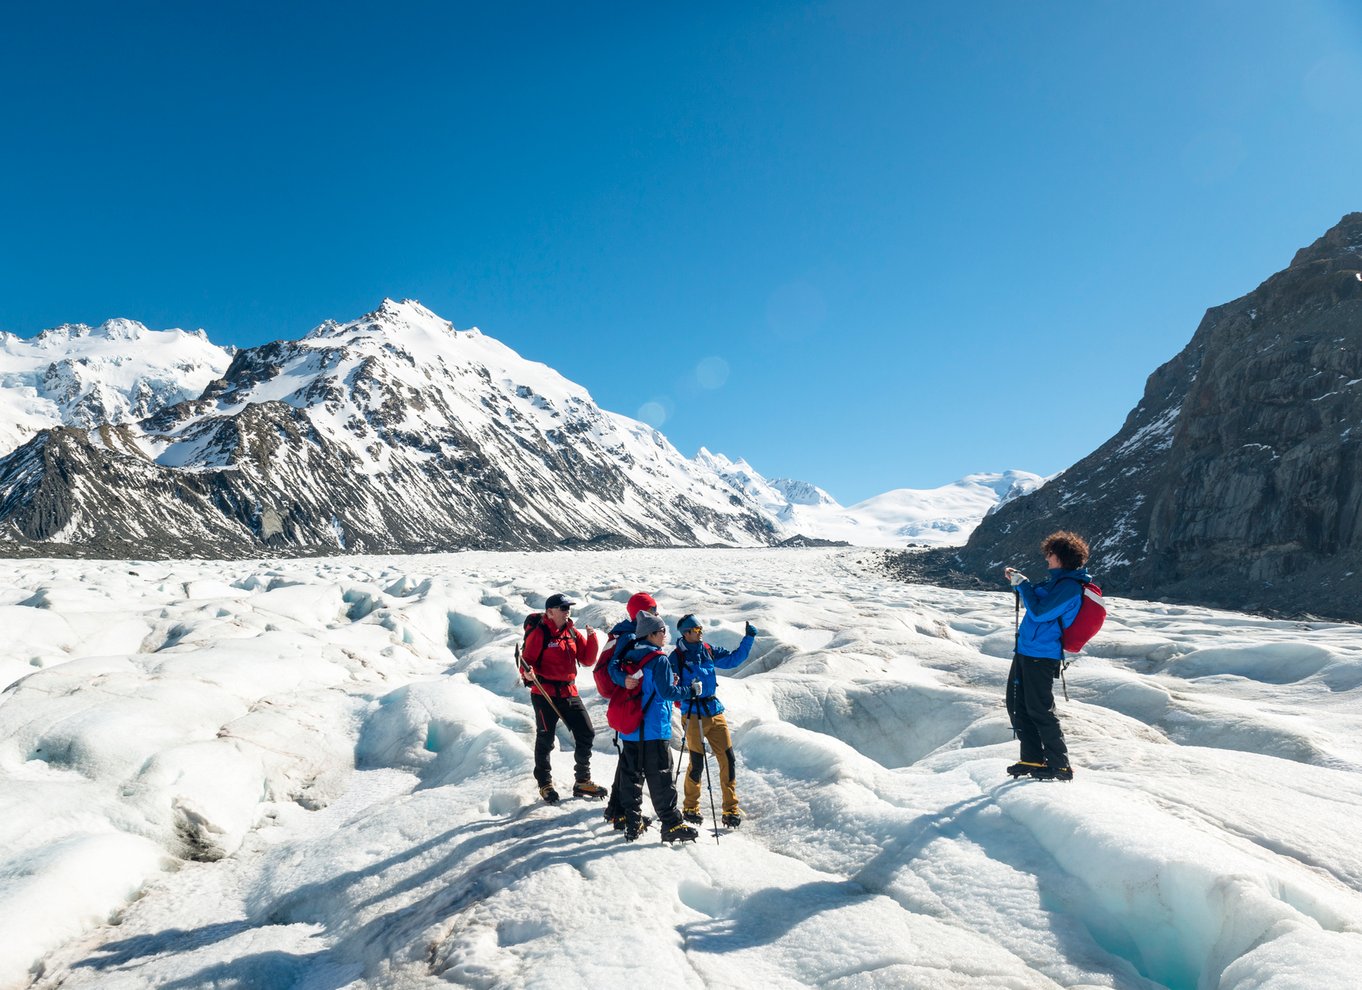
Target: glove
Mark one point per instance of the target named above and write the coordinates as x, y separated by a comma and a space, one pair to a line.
633, 680
1014, 576
695, 689
750, 630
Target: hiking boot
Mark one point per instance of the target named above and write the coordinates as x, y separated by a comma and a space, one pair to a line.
549, 795
732, 819
694, 817
1053, 773
610, 814
633, 828
1024, 769
588, 789
621, 823
680, 832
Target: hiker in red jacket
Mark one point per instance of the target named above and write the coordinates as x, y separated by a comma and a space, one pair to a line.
553, 651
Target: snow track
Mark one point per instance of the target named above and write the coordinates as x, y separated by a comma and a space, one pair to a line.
315, 774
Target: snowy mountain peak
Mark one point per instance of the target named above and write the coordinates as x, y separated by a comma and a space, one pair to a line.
120, 330
802, 492
939, 516
393, 432
116, 372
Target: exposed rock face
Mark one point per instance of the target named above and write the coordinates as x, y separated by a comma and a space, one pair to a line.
392, 434
1237, 480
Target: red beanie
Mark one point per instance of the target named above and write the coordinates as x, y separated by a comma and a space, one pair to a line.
641, 602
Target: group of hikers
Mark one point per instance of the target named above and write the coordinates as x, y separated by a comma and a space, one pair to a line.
635, 669
646, 683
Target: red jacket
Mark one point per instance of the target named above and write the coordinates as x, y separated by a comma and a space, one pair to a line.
555, 654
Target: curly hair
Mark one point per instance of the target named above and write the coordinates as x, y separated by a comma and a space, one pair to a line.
1070, 548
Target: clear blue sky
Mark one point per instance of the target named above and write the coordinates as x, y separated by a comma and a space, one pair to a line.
897, 242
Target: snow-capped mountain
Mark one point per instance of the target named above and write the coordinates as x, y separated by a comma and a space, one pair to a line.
394, 432
117, 372
942, 516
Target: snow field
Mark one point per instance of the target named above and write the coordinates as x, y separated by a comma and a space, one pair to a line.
317, 774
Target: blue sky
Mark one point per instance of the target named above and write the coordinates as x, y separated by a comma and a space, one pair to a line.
869, 245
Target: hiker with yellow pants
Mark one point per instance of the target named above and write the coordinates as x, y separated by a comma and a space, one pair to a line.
696, 663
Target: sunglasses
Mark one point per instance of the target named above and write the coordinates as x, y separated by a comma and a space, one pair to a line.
559, 608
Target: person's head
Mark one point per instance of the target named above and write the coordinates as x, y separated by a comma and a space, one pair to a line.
557, 608
641, 602
690, 629
1065, 549
647, 626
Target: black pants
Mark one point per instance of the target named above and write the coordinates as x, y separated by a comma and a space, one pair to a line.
1031, 706
650, 760
613, 807
578, 723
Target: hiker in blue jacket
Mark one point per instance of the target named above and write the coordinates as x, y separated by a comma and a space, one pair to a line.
621, 638
646, 753
697, 664
1039, 653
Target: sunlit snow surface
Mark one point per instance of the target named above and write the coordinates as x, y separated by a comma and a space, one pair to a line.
316, 774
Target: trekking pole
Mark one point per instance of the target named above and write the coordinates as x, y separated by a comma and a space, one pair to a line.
1062, 681
685, 726
537, 683
704, 755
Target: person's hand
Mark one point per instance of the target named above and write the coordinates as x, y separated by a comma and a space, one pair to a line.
1014, 576
590, 631
633, 680
750, 630
695, 688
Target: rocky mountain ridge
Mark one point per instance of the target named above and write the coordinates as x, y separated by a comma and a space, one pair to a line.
1237, 479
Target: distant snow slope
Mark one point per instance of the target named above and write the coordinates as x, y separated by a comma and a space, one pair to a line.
942, 516
316, 774
117, 372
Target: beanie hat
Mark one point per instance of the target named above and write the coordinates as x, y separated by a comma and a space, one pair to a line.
641, 602
688, 622
646, 624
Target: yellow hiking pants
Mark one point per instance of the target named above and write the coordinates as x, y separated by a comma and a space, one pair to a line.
715, 731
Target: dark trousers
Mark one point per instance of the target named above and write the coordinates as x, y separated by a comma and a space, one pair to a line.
650, 760
1031, 706
578, 723
613, 807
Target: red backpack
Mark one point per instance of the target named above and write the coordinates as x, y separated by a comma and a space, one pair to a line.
601, 672
1091, 614
625, 712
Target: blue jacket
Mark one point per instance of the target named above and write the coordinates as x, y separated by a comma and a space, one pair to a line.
1049, 607
658, 693
697, 662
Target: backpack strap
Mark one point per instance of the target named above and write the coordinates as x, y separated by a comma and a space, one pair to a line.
564, 633
643, 703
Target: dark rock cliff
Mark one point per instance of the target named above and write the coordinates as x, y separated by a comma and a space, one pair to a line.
1237, 480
